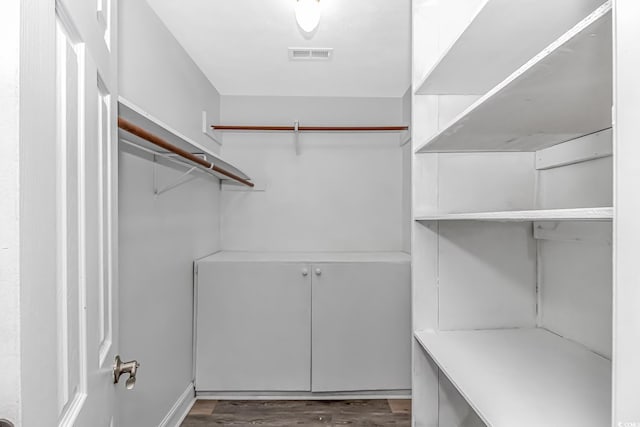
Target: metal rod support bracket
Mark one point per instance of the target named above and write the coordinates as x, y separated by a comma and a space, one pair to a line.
296, 127
182, 179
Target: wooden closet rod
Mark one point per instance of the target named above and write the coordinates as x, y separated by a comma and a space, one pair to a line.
146, 135
314, 128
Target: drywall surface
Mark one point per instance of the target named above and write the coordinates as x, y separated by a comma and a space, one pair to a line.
584, 184
407, 154
160, 236
575, 271
10, 231
159, 239
342, 192
575, 288
157, 75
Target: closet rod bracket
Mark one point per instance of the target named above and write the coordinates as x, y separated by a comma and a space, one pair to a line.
296, 128
182, 179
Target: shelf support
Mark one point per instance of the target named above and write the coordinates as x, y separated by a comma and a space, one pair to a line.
296, 126
182, 179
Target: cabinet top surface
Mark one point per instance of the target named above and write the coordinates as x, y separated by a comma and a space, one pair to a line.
311, 257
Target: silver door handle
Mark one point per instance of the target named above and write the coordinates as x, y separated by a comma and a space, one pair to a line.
318, 272
131, 368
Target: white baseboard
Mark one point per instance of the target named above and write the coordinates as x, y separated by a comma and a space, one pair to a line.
180, 409
240, 395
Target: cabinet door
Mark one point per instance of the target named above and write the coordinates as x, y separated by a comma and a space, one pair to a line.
253, 329
361, 327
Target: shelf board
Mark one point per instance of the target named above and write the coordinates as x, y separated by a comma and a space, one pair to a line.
562, 93
139, 117
524, 377
484, 54
573, 214
308, 257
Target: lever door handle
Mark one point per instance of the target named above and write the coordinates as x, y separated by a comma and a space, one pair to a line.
131, 368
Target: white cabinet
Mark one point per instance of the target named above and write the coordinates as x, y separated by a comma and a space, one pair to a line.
302, 322
359, 327
253, 326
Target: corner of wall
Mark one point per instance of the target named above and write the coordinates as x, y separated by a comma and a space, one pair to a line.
158, 75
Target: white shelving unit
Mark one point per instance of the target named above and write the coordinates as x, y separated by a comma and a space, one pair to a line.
512, 241
575, 214
478, 59
141, 118
562, 93
524, 377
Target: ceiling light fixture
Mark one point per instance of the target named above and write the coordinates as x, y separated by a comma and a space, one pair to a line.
308, 14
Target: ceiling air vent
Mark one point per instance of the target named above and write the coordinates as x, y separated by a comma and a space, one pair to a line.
303, 53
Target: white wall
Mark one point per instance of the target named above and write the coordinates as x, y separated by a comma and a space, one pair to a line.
157, 74
407, 154
576, 303
159, 239
160, 236
343, 192
9, 232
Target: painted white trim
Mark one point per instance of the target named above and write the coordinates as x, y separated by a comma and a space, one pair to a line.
303, 395
206, 129
573, 232
180, 409
563, 214
589, 147
405, 138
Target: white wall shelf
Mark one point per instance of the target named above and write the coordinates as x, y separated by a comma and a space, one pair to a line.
481, 57
524, 377
573, 214
562, 93
139, 117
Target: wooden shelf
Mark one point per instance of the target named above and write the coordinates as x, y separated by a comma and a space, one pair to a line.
562, 93
574, 214
482, 54
524, 377
139, 117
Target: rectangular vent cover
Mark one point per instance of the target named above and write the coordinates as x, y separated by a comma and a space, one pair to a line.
303, 53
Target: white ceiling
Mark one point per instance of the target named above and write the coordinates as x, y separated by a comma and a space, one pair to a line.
241, 45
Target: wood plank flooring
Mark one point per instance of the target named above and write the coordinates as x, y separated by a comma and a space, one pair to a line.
312, 413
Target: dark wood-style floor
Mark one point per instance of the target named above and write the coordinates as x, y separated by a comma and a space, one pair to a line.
280, 413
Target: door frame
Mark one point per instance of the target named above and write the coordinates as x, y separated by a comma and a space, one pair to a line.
626, 228
38, 213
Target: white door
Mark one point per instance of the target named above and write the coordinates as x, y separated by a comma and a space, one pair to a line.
86, 84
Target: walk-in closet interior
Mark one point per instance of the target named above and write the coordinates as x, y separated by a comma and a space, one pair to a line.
414, 213
289, 277
466, 261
